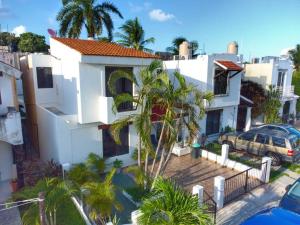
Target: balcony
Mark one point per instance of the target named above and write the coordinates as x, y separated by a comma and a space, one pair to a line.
286, 91
11, 128
109, 116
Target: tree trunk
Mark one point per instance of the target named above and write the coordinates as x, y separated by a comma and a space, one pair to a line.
160, 164
167, 159
158, 147
42, 208
139, 151
146, 163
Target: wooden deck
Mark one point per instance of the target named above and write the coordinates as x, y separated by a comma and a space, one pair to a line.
187, 172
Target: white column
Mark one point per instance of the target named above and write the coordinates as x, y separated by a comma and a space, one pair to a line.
248, 119
266, 169
224, 156
219, 191
134, 217
198, 190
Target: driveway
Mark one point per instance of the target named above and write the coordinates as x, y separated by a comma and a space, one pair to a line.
260, 198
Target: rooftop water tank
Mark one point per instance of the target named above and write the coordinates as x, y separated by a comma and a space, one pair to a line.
233, 48
184, 50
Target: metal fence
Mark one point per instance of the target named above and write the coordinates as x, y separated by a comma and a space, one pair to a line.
211, 206
244, 182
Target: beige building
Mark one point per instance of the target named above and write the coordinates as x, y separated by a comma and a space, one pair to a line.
277, 72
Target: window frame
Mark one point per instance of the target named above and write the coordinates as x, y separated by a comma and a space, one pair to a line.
218, 68
278, 145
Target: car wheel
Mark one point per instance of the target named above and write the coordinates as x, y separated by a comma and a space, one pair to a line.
276, 161
231, 148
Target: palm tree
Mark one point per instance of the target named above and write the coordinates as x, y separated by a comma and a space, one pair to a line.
57, 193
148, 82
272, 105
184, 106
77, 14
101, 198
295, 55
133, 35
95, 163
174, 49
168, 204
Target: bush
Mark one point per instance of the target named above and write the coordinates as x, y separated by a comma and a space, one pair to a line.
214, 147
137, 192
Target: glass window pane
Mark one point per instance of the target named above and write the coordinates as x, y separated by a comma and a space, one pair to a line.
44, 77
279, 142
247, 136
263, 139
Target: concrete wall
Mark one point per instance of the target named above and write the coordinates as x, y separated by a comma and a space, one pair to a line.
6, 157
7, 93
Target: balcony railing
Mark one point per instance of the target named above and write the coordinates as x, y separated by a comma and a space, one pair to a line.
11, 128
286, 91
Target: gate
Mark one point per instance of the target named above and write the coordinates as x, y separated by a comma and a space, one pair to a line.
244, 182
211, 206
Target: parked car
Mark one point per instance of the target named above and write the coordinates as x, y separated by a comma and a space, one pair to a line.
287, 128
274, 216
276, 144
291, 199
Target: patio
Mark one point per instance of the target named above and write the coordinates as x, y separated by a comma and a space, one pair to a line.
187, 172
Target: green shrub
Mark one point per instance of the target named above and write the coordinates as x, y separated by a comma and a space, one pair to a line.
137, 193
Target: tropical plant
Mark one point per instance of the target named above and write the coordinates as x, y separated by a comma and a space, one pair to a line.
184, 106
76, 14
149, 78
170, 205
272, 105
30, 42
118, 164
133, 35
57, 192
101, 198
295, 55
79, 174
95, 163
176, 42
256, 93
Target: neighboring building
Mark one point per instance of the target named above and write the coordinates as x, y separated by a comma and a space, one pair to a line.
11, 138
277, 72
68, 103
219, 74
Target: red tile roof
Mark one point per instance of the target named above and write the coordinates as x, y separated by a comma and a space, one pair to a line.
101, 48
229, 65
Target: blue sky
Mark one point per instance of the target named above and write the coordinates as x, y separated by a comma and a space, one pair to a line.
261, 27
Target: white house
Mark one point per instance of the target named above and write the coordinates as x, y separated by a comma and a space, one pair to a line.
277, 72
219, 74
10, 120
69, 105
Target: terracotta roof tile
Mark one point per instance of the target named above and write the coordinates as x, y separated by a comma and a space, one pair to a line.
101, 48
229, 65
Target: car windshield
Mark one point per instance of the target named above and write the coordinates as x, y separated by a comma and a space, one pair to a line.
294, 131
295, 191
295, 142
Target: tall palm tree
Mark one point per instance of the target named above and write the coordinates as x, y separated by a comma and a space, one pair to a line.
149, 78
133, 35
184, 107
295, 55
57, 192
101, 198
76, 14
168, 204
176, 42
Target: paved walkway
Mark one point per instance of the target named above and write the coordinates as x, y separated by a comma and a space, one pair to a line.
261, 198
12, 216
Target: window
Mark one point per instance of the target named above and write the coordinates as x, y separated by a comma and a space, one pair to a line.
44, 77
279, 142
1, 74
247, 136
123, 85
280, 79
261, 138
110, 147
213, 122
220, 81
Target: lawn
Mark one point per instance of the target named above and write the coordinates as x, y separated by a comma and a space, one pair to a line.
67, 214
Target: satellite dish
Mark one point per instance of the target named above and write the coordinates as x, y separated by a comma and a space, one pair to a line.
52, 32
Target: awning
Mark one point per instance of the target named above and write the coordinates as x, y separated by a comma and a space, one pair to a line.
246, 101
228, 65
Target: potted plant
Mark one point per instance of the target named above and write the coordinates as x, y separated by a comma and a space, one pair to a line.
118, 165
14, 184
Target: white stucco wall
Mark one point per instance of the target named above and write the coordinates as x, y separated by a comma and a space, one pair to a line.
6, 92
6, 161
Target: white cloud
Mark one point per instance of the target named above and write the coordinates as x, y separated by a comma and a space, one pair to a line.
160, 15
19, 30
285, 51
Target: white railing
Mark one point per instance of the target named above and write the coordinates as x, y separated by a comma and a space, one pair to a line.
286, 91
11, 128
